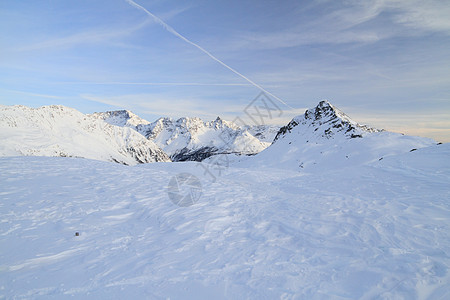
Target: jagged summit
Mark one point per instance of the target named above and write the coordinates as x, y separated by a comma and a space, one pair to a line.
194, 139
191, 138
325, 138
325, 112
326, 120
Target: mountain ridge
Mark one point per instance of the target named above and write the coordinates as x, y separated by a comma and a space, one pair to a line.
57, 130
322, 135
325, 138
325, 113
193, 139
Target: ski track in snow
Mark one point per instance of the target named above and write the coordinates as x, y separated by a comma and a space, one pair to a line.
379, 231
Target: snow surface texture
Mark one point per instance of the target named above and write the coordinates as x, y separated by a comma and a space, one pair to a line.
374, 231
61, 131
192, 139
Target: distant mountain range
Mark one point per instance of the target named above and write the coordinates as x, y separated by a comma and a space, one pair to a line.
324, 137
123, 137
192, 139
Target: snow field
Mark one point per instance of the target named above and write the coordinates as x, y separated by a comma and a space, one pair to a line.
374, 231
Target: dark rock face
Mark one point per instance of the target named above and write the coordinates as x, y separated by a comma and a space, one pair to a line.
194, 155
145, 155
326, 121
285, 129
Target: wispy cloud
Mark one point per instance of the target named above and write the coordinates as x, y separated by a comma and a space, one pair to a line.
159, 105
175, 12
164, 105
389, 55
32, 94
171, 30
95, 36
432, 15
350, 23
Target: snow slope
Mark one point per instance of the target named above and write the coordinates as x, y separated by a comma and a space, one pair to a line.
325, 138
264, 133
374, 231
61, 131
192, 139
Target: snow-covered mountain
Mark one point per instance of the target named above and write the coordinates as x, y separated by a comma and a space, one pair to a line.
192, 139
325, 138
325, 121
123, 118
61, 131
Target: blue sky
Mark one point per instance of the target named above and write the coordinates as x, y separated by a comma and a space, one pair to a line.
385, 63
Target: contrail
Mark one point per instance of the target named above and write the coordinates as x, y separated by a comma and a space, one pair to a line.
174, 32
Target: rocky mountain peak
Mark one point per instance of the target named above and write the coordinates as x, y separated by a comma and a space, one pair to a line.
325, 121
325, 112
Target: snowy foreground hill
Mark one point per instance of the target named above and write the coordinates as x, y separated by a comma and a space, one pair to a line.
62, 131
376, 231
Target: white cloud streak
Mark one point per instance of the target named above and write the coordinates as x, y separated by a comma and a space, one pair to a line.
88, 37
350, 24
175, 33
164, 105
32, 94
176, 107
426, 15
